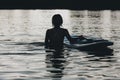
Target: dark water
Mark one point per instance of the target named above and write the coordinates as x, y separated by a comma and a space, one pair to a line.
21, 58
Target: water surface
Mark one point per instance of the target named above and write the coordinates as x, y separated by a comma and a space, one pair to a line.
23, 59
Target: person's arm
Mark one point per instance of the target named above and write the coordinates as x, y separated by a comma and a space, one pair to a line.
68, 36
46, 40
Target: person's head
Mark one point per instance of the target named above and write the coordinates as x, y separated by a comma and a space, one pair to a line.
57, 20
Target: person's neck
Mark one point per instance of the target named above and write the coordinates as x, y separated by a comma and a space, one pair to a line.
57, 27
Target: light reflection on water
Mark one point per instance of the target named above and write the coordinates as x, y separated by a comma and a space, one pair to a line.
22, 58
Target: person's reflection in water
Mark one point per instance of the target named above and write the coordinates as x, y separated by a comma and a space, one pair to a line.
55, 36
55, 63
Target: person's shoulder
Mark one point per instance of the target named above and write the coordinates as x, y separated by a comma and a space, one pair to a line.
64, 29
49, 29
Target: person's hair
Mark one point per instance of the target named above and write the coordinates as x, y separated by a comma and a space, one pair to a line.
57, 20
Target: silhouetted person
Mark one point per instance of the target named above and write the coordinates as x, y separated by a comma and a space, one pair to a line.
55, 36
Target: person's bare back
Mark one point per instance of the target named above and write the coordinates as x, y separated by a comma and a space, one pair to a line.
55, 36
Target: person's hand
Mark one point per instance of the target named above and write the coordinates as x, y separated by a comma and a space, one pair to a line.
81, 37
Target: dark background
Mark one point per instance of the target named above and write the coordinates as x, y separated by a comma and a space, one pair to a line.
60, 4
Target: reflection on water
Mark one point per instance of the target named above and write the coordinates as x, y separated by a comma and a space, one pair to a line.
23, 56
55, 62
101, 52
